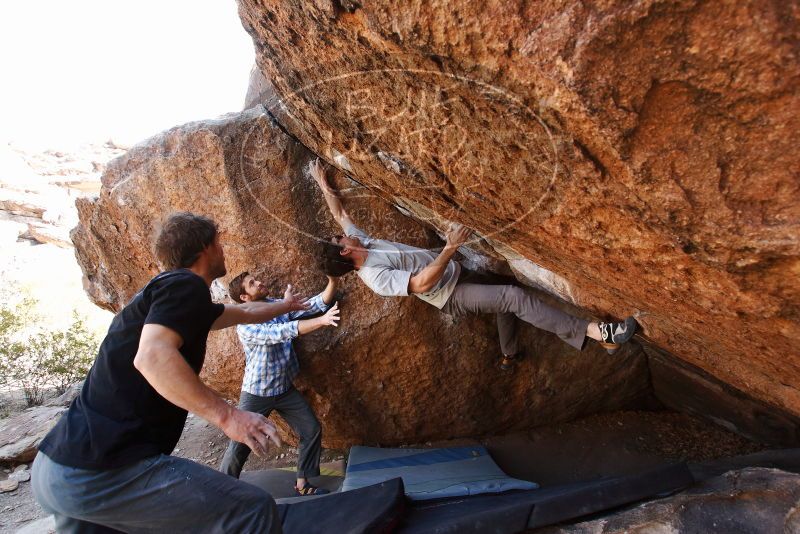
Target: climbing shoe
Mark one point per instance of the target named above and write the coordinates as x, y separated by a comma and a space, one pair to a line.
508, 361
615, 334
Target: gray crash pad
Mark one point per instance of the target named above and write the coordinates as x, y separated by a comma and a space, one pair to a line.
431, 473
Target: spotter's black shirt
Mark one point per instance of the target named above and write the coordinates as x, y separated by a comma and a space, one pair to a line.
119, 418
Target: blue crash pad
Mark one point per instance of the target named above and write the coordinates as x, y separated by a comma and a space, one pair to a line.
431, 473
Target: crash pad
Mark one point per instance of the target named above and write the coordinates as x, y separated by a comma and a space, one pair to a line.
431, 473
518, 511
373, 509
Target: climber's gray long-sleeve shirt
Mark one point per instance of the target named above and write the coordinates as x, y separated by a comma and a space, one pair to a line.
389, 267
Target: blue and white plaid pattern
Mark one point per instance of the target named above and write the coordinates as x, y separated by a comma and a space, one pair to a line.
270, 362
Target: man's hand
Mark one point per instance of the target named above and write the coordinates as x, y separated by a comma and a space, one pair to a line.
294, 302
331, 317
252, 429
317, 172
457, 235
427, 278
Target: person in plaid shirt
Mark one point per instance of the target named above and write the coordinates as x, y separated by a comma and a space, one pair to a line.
271, 366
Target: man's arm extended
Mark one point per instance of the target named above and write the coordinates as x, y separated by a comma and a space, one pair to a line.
329, 293
319, 303
331, 197
259, 312
163, 366
331, 318
281, 332
427, 278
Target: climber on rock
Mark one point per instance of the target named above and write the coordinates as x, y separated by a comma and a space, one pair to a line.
106, 466
271, 366
394, 270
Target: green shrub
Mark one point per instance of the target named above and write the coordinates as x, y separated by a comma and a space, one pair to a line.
37, 359
14, 319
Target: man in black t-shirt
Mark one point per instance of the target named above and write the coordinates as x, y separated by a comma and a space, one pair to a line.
106, 465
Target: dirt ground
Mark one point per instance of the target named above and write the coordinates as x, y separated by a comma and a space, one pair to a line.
605, 444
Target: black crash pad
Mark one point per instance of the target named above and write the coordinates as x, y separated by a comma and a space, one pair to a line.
517, 511
784, 459
370, 510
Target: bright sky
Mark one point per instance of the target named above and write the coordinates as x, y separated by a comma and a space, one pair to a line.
89, 70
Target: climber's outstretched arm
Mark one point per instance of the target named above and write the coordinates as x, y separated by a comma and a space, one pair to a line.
331, 195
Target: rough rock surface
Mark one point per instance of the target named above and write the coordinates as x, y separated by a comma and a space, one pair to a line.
681, 386
630, 156
8, 485
750, 500
22, 433
395, 370
259, 90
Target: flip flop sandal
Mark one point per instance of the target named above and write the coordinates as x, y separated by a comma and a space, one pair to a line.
310, 489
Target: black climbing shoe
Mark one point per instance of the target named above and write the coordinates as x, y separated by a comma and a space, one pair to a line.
615, 334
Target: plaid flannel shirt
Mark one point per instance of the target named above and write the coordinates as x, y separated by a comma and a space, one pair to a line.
270, 362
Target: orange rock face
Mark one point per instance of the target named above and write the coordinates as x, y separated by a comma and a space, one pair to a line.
630, 157
395, 370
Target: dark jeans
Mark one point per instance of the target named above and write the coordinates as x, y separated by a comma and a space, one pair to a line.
473, 294
158, 494
295, 410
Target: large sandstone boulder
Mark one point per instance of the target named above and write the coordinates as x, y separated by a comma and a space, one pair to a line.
395, 370
626, 156
21, 434
750, 500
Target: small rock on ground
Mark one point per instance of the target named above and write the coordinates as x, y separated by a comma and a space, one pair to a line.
20, 476
45, 525
8, 485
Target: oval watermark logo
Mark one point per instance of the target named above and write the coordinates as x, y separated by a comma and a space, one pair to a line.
443, 144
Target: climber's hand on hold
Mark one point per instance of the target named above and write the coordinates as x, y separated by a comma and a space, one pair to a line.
317, 172
457, 235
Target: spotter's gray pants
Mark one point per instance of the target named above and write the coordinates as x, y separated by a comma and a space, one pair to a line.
510, 302
158, 494
294, 409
